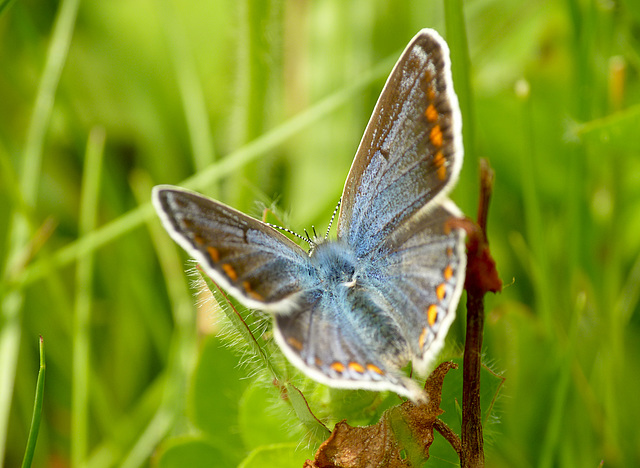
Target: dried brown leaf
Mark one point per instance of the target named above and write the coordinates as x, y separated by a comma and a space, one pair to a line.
401, 438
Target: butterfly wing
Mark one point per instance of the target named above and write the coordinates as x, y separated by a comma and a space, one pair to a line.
342, 340
398, 308
261, 267
321, 332
424, 265
411, 152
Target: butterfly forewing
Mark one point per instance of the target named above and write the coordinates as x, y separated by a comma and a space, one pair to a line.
261, 266
411, 152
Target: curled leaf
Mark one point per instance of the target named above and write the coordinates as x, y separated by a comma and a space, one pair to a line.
401, 438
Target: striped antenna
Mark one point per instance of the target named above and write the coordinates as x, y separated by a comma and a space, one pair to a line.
306, 239
326, 236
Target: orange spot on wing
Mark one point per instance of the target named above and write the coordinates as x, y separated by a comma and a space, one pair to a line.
438, 161
356, 367
375, 369
247, 287
338, 367
231, 273
431, 113
431, 94
449, 249
214, 254
448, 272
447, 230
432, 315
436, 136
423, 337
319, 362
441, 291
294, 343
198, 239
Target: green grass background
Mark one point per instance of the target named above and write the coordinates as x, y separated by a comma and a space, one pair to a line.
263, 103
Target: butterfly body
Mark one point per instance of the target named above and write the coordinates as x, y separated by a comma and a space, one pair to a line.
356, 308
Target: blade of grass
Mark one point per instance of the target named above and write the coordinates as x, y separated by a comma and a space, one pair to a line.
84, 280
629, 297
191, 92
182, 352
533, 212
4, 6
582, 95
461, 73
206, 177
30, 178
259, 76
37, 411
553, 433
127, 427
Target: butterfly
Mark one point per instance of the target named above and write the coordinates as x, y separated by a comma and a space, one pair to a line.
355, 309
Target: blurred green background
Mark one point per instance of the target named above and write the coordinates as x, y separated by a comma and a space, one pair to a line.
263, 103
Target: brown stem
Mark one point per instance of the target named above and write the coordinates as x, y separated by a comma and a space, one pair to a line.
481, 277
446, 432
472, 438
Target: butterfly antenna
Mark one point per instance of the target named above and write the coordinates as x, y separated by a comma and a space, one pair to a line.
326, 236
306, 239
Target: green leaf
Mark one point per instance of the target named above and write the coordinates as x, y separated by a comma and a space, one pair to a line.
213, 399
194, 453
265, 418
301, 407
276, 456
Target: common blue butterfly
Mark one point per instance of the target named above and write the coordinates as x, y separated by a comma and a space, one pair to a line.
353, 310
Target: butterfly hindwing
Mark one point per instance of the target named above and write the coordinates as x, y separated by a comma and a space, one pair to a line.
397, 307
262, 267
343, 341
424, 272
411, 151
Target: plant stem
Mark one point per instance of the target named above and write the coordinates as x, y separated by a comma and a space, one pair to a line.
472, 438
481, 277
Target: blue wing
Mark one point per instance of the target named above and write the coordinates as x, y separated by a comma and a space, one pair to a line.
411, 152
421, 272
371, 318
347, 339
261, 267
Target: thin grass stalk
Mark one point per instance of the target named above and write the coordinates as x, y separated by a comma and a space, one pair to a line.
190, 87
183, 343
113, 448
4, 6
557, 412
461, 73
37, 411
534, 225
12, 303
259, 76
84, 299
